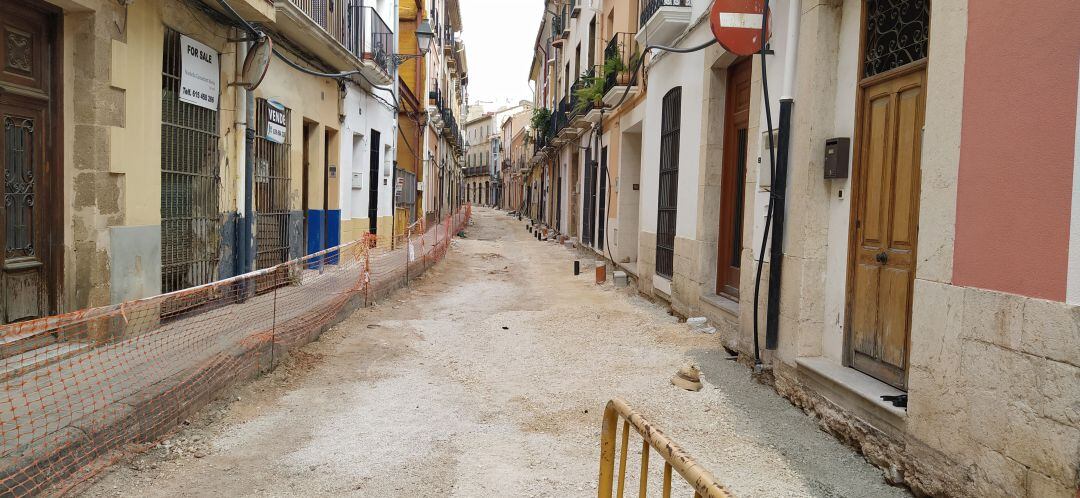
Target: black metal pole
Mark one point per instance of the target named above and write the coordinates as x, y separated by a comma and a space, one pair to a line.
779, 199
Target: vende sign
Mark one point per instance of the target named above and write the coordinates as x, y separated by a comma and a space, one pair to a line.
200, 74
736, 24
276, 125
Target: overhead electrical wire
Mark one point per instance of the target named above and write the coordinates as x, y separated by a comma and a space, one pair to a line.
277, 53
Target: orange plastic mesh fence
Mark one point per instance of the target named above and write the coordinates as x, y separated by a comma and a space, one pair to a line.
81, 386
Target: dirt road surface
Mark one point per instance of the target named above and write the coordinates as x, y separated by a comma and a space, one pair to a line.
488, 377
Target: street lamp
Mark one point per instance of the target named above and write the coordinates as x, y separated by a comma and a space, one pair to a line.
424, 36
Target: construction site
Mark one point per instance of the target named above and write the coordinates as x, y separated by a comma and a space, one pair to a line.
489, 376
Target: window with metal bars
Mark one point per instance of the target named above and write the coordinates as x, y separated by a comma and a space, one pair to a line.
669, 182
897, 34
272, 180
190, 182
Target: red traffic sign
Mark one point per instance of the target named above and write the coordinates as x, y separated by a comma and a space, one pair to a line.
736, 24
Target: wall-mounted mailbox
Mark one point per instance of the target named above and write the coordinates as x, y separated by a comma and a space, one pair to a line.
836, 157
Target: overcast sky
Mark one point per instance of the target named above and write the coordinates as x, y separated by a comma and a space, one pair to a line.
499, 36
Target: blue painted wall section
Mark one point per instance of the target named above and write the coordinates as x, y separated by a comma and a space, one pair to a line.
318, 239
333, 234
315, 231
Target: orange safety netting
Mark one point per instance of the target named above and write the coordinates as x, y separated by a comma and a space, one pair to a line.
78, 387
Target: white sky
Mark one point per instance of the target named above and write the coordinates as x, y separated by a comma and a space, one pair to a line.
499, 36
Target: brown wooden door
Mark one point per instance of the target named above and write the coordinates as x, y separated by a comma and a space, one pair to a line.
886, 213
732, 183
29, 223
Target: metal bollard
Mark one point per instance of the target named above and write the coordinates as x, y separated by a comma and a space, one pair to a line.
577, 268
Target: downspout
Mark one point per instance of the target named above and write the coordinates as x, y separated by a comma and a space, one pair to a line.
779, 181
240, 139
245, 136
249, 184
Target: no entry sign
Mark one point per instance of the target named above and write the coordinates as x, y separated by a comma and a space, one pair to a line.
736, 24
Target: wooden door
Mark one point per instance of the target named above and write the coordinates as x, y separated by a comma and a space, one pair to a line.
885, 225
30, 226
733, 179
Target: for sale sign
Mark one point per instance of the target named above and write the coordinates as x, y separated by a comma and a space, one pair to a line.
276, 124
200, 74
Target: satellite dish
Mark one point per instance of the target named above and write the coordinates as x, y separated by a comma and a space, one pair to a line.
257, 63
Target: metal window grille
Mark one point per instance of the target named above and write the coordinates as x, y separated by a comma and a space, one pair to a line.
19, 182
669, 182
897, 34
406, 195
190, 182
272, 179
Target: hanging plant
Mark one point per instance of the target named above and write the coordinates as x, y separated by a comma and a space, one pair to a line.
540, 119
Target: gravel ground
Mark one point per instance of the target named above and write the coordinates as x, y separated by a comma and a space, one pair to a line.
488, 377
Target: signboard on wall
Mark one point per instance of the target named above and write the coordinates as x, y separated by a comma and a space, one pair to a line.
276, 125
200, 74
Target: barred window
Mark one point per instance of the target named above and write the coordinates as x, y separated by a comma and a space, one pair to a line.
897, 34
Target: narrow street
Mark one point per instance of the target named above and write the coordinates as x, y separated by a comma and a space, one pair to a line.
488, 377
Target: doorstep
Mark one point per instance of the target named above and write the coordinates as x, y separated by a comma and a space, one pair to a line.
722, 303
854, 391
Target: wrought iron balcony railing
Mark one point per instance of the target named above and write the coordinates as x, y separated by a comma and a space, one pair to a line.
357, 28
620, 56
371, 39
650, 7
578, 104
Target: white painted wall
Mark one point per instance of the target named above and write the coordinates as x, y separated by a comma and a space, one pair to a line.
667, 72
363, 114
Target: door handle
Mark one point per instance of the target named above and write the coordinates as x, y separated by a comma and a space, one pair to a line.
882, 257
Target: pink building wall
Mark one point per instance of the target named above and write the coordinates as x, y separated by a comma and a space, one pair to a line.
1014, 191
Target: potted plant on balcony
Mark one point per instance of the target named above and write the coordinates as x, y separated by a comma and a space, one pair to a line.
615, 65
541, 118
592, 93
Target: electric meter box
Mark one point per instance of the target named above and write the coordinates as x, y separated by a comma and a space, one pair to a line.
836, 157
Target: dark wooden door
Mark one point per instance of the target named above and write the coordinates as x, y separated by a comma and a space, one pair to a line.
733, 179
30, 212
601, 218
885, 225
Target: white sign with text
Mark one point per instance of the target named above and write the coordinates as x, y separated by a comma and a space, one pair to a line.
200, 74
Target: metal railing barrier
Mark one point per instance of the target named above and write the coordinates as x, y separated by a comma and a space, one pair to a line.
675, 458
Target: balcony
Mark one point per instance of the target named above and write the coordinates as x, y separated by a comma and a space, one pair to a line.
663, 20
583, 98
575, 8
348, 37
476, 171
449, 39
557, 37
620, 57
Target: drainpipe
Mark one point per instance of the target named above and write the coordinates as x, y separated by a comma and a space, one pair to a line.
243, 124
779, 182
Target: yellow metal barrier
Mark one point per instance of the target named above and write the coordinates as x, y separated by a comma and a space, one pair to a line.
701, 480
